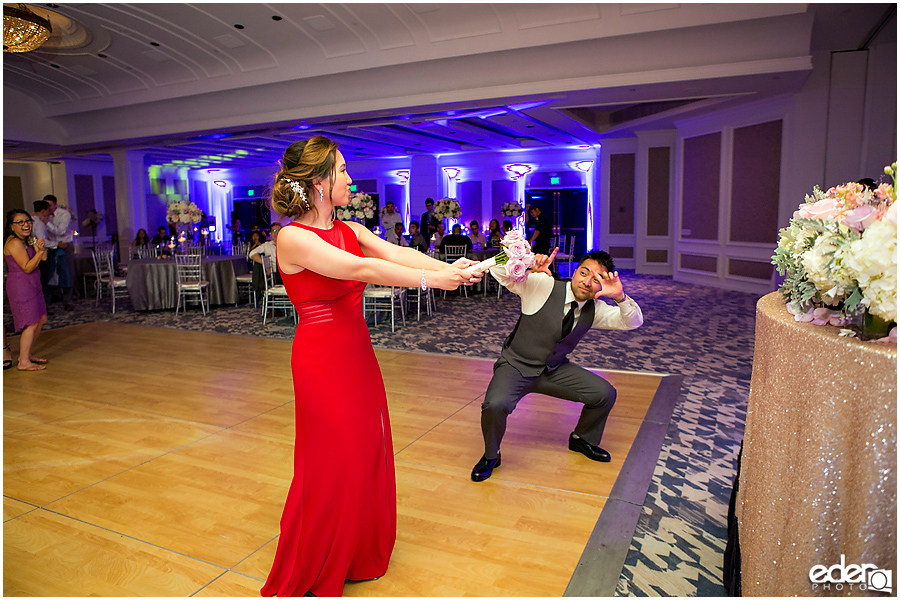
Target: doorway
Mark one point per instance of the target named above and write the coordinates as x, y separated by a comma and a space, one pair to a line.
566, 209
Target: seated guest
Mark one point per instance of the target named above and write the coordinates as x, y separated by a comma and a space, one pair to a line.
507, 226
494, 233
438, 235
256, 238
479, 242
256, 253
416, 239
160, 239
395, 235
141, 240
456, 239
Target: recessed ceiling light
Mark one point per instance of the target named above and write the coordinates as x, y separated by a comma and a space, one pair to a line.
154, 44
276, 18
238, 26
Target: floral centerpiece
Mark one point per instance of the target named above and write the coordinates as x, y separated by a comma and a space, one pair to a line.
361, 207
839, 254
515, 255
183, 212
511, 209
447, 208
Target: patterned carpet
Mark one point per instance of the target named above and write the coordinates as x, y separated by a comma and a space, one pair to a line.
704, 334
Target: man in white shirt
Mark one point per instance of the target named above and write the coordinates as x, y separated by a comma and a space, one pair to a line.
389, 218
479, 242
61, 241
41, 215
555, 316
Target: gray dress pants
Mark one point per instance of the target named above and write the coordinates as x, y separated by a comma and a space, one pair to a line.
568, 381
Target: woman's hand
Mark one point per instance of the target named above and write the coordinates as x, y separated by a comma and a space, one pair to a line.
451, 277
39, 245
464, 262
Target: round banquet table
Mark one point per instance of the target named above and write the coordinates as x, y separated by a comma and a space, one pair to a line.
153, 285
818, 475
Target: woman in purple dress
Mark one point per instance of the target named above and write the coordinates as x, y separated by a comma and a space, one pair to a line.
23, 254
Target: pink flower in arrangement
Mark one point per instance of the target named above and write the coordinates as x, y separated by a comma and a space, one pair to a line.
826, 209
884, 192
861, 217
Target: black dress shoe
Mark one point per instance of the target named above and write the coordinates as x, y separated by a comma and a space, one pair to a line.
485, 467
576, 444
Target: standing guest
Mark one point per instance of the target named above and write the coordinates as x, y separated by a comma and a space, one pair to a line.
429, 220
494, 234
22, 254
416, 239
555, 316
40, 216
61, 239
456, 238
340, 516
540, 231
389, 218
479, 242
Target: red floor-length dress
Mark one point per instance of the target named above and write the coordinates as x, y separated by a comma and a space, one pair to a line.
340, 516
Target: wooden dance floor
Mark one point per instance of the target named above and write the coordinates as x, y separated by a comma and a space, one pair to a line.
155, 462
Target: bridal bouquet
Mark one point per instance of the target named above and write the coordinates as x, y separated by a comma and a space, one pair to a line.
361, 207
840, 254
93, 219
515, 255
511, 209
183, 211
447, 208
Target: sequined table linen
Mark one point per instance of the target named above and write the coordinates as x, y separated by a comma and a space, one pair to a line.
818, 473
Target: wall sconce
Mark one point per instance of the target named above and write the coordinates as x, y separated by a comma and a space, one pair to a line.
584, 165
404, 176
452, 173
518, 171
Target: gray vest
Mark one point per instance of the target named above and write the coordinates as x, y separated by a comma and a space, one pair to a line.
536, 343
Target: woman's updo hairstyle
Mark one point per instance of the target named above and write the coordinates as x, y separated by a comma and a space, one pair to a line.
304, 162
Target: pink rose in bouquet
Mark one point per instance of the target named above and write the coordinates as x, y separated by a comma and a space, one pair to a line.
825, 209
860, 217
516, 270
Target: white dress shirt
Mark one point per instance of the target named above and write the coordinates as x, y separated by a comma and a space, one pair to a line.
536, 289
388, 222
267, 248
38, 229
59, 227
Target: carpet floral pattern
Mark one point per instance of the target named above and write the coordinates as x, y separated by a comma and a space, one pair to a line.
702, 333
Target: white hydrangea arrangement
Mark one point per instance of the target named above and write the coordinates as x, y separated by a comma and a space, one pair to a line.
361, 207
446, 208
511, 209
840, 251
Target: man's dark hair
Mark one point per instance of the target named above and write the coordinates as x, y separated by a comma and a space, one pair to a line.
508, 223
602, 258
40, 205
456, 228
50, 198
427, 200
391, 202
411, 223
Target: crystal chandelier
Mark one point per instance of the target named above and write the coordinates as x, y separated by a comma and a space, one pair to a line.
23, 31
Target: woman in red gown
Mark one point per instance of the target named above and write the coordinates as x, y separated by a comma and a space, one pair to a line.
340, 516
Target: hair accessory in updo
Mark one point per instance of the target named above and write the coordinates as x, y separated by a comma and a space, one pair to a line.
297, 187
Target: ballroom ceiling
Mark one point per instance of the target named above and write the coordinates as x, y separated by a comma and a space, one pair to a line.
233, 84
